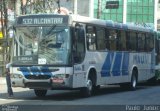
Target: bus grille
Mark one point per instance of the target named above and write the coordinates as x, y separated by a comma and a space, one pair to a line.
38, 85
35, 77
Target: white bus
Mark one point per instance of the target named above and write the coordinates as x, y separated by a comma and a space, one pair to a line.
75, 52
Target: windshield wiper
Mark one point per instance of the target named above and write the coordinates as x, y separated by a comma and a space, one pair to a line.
50, 30
32, 33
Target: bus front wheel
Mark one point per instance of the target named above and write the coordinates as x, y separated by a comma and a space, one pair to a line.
88, 90
40, 93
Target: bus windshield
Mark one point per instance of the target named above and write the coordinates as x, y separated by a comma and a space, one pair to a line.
42, 45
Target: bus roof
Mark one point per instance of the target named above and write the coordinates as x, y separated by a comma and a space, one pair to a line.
111, 24
57, 19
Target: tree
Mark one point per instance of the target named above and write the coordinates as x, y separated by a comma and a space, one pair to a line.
4, 25
5, 5
39, 6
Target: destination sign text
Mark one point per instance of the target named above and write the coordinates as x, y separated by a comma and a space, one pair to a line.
42, 21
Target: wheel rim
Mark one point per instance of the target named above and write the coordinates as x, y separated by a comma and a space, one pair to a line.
134, 82
89, 85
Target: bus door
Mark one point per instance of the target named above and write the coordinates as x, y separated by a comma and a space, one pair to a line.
78, 54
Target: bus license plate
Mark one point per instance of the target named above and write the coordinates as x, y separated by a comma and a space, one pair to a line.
57, 80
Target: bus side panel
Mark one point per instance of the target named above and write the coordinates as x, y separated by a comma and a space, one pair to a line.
143, 62
79, 76
115, 68
111, 67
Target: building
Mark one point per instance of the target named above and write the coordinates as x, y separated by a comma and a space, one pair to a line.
128, 11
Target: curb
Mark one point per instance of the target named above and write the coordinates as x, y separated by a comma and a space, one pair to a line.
2, 80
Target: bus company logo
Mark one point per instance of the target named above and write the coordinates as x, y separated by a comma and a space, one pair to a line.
77, 68
140, 59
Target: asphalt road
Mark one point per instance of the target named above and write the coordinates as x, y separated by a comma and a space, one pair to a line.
146, 97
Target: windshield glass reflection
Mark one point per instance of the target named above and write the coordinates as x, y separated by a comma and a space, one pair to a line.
42, 45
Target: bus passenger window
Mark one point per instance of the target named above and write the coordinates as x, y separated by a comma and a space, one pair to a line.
141, 42
91, 38
123, 40
113, 39
100, 38
149, 42
132, 41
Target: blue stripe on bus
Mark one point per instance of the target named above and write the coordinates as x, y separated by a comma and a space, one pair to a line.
116, 71
117, 65
35, 70
24, 70
105, 72
46, 71
125, 64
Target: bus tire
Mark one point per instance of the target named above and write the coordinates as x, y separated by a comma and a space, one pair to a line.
40, 93
158, 82
124, 86
87, 91
96, 87
133, 83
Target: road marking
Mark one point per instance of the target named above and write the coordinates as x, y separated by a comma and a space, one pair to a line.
11, 99
3, 99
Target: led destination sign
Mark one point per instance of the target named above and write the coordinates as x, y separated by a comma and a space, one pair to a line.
42, 19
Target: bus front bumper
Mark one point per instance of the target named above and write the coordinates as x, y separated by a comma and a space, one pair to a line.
52, 83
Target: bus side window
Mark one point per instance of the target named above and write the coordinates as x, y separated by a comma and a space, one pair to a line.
141, 42
131, 41
149, 42
123, 40
113, 39
107, 40
91, 38
100, 38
